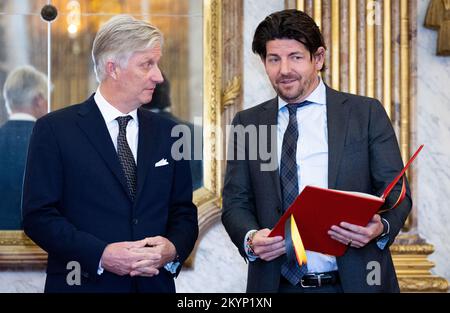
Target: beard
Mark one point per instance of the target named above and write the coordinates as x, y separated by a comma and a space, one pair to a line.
293, 93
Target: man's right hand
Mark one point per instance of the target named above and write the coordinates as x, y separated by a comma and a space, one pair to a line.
267, 248
119, 257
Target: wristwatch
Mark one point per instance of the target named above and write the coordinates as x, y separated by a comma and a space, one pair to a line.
385, 227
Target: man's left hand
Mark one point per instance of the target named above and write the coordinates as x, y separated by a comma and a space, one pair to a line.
357, 236
163, 251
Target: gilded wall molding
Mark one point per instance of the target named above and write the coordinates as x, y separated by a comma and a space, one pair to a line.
438, 18
231, 92
423, 249
423, 284
222, 81
410, 256
212, 88
19, 251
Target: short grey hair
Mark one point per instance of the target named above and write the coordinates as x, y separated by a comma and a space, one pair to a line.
119, 38
22, 85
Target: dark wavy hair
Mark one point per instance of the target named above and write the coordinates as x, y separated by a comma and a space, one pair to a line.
288, 24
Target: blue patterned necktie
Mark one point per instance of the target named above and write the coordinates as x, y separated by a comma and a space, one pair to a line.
126, 156
289, 188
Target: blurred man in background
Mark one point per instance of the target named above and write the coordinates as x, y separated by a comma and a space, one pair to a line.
25, 93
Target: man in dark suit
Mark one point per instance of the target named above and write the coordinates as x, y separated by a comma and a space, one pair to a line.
101, 186
25, 93
322, 137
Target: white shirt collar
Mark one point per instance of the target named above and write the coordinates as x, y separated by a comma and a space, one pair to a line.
22, 117
319, 95
109, 112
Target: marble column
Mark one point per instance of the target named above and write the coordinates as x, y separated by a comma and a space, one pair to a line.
433, 130
218, 266
14, 281
257, 87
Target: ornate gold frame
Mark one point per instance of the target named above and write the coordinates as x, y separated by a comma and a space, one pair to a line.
18, 251
207, 198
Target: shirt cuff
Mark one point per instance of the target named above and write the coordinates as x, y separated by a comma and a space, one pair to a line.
386, 228
248, 249
172, 267
100, 268
384, 238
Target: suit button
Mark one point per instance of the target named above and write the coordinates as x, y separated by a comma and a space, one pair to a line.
135, 221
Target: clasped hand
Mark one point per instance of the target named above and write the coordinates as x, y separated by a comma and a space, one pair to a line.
138, 258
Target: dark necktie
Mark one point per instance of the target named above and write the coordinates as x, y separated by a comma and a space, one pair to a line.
289, 187
126, 156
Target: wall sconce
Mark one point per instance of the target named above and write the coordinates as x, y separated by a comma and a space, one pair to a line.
73, 18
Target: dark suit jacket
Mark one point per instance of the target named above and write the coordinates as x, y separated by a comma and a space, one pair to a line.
363, 155
196, 165
14, 138
75, 198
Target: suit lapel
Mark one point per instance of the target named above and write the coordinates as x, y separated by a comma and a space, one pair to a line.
93, 125
148, 135
269, 116
337, 119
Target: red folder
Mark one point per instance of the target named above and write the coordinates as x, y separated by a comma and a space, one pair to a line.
317, 209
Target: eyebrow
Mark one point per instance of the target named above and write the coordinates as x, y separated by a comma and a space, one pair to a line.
290, 54
148, 59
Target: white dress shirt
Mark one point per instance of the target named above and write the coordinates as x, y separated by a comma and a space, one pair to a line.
312, 156
110, 114
22, 117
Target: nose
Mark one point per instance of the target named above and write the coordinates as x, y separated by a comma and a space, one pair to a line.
285, 68
157, 75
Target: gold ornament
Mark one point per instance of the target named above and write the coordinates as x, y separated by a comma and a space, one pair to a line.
438, 17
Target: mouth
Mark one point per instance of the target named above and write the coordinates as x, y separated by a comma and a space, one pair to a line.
286, 81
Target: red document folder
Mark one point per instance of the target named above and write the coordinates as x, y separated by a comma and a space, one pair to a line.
317, 209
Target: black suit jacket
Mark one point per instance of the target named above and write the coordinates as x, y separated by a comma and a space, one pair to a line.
363, 155
196, 165
14, 138
76, 202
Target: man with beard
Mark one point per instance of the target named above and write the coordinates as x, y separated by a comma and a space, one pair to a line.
324, 138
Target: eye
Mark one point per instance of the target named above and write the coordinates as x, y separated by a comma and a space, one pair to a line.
272, 59
147, 64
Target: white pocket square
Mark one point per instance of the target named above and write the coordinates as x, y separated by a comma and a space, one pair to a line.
162, 162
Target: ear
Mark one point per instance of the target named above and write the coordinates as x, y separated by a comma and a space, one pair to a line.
39, 106
319, 58
37, 101
111, 69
